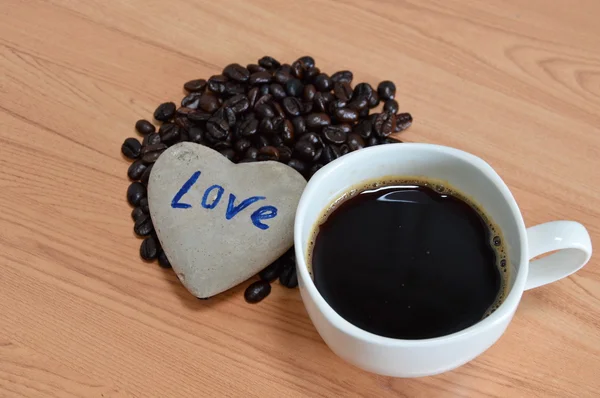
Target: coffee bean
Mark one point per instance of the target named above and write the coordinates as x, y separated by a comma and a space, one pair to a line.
285, 153
136, 169
217, 129
318, 154
260, 78
263, 89
320, 103
143, 226
363, 128
151, 139
260, 141
292, 106
298, 69
144, 127
165, 112
343, 91
307, 61
251, 153
149, 249
196, 134
269, 63
271, 272
276, 141
390, 140
236, 72
216, 83
266, 126
184, 111
228, 153
163, 261
191, 101
209, 102
199, 116
263, 99
253, 68
144, 205
194, 86
249, 127
131, 148
359, 102
238, 103
355, 142
373, 141
311, 73
386, 90
146, 176
316, 120
246, 160
346, 128
385, 124
137, 213
363, 113
169, 133
344, 149
403, 121
299, 124
363, 89
344, 76
304, 150
151, 152
322, 82
264, 111
390, 106
241, 146
336, 104
268, 153
294, 87
135, 192
287, 132
334, 134
298, 165
252, 96
314, 168
373, 100
282, 76
330, 153
257, 291
288, 277
313, 138
278, 110
308, 95
277, 91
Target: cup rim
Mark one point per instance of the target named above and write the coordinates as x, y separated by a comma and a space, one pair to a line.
504, 311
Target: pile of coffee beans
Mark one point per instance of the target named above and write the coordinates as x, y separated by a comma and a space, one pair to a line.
293, 114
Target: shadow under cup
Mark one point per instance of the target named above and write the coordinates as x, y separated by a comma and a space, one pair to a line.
467, 173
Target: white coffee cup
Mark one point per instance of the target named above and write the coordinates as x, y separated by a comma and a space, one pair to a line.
472, 176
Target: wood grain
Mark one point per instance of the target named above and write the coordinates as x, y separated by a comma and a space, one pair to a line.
515, 82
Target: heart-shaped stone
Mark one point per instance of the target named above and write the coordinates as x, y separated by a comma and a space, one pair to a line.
220, 223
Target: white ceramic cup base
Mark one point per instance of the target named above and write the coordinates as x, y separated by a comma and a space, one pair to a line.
472, 176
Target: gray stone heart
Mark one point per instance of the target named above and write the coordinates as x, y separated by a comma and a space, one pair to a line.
220, 223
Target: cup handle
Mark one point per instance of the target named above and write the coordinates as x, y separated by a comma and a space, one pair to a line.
573, 247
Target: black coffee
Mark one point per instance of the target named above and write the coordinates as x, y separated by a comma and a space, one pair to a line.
409, 260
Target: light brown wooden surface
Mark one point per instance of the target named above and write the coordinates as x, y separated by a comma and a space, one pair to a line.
516, 82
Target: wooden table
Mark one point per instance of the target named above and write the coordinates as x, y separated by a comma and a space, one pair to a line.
515, 82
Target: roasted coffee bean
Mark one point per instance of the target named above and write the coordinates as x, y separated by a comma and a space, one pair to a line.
196, 134
137, 213
390, 140
149, 249
165, 111
227, 114
199, 116
336, 104
304, 150
373, 100
246, 160
299, 124
320, 103
251, 153
355, 142
260, 78
318, 154
386, 90
151, 139
311, 73
131, 148
346, 128
373, 141
249, 127
307, 61
238, 103
183, 112
169, 133
216, 84
317, 120
359, 102
144, 127
363, 90
217, 128
241, 146
163, 261
253, 68
282, 76
252, 96
343, 91
287, 132
266, 126
277, 124
209, 102
309, 93
263, 89
292, 106
144, 205
363, 128
314, 168
344, 149
294, 87
260, 141
288, 277
268, 153
257, 291
135, 192
323, 82
298, 165
346, 115
264, 111
143, 226
276, 141
307, 107
298, 70
278, 110
271, 272
285, 153
344, 76
195, 86
385, 124
136, 169
263, 99
390, 106
228, 153
146, 175
363, 113
313, 138
277, 91
151, 152
330, 153
269, 63
236, 72
403, 121
234, 88
334, 134
191, 101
